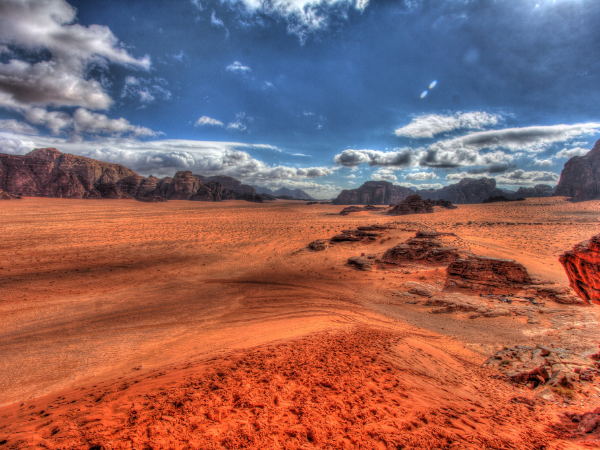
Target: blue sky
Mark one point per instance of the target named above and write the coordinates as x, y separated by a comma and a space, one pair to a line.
316, 95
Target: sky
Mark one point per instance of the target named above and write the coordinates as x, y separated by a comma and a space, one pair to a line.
317, 95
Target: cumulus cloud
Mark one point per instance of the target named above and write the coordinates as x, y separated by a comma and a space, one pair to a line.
33, 26
461, 175
570, 152
166, 156
85, 122
543, 162
420, 176
208, 121
427, 126
522, 178
421, 186
238, 67
15, 126
399, 157
384, 175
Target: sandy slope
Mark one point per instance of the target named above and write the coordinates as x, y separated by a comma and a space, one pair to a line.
90, 290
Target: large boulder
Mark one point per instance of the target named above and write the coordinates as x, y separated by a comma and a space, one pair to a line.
580, 178
582, 265
426, 248
373, 193
414, 204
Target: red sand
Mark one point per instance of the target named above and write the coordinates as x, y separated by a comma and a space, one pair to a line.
90, 290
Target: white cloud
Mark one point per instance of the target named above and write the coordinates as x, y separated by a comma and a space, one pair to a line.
237, 126
14, 126
422, 186
400, 157
238, 67
85, 122
427, 126
208, 121
144, 89
543, 162
383, 175
461, 175
33, 25
570, 152
303, 16
522, 178
351, 176
420, 176
215, 21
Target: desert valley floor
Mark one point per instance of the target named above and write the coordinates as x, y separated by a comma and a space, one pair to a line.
211, 325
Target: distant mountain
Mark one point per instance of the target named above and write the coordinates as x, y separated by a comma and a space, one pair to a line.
467, 190
373, 193
580, 178
47, 172
296, 194
230, 183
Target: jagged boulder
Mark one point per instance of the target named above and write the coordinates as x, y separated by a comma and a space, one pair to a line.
582, 265
580, 178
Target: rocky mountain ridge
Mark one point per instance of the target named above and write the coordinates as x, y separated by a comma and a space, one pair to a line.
580, 178
47, 172
467, 190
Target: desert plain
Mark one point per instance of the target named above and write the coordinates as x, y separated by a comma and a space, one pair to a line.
212, 325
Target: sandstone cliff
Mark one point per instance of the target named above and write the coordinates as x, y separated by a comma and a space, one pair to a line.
47, 172
373, 193
467, 190
580, 178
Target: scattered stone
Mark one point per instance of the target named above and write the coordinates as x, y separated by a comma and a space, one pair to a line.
319, 245
152, 199
361, 262
582, 265
420, 289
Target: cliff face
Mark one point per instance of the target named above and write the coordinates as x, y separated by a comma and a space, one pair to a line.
539, 190
467, 190
373, 193
580, 178
47, 172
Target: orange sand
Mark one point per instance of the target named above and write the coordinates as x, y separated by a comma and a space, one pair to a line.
90, 290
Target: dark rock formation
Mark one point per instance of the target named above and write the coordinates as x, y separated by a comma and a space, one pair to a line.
7, 196
151, 199
501, 198
467, 190
46, 172
425, 248
582, 265
580, 178
539, 190
350, 209
373, 193
480, 272
412, 205
319, 245
293, 194
361, 262
230, 183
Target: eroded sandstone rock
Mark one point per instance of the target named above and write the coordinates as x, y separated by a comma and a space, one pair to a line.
582, 265
480, 272
425, 248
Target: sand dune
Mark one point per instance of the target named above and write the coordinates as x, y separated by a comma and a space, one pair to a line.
100, 297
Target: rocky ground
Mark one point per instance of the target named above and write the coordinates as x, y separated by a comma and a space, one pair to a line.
203, 325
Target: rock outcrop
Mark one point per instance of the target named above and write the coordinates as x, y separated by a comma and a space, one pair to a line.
412, 205
501, 198
7, 196
582, 265
47, 172
580, 178
230, 183
539, 190
427, 248
373, 193
483, 273
467, 190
